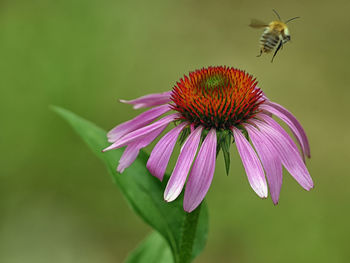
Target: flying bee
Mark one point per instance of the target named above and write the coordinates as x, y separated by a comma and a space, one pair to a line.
274, 36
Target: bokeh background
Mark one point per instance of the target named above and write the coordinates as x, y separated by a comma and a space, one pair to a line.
57, 202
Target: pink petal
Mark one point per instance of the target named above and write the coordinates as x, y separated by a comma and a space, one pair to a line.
129, 155
159, 159
137, 134
183, 165
287, 150
292, 123
133, 149
150, 100
251, 163
201, 174
270, 160
136, 123
192, 127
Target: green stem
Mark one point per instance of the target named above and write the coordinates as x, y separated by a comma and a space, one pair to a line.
188, 235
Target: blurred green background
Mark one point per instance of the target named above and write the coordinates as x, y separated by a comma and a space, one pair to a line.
57, 202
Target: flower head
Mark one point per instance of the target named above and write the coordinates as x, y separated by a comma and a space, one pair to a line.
211, 108
216, 97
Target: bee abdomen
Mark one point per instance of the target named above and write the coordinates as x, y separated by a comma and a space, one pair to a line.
268, 42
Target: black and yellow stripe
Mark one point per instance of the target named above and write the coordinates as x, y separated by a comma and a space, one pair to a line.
268, 41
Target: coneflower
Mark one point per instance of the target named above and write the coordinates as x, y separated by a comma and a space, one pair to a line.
211, 108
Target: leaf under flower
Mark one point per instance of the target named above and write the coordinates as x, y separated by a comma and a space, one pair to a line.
143, 192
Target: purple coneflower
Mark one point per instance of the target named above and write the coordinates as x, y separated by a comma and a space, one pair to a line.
211, 108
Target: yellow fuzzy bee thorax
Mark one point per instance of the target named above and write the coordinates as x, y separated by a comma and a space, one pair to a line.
277, 26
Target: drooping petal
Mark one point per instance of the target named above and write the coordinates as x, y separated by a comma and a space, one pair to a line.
133, 149
201, 174
137, 134
183, 165
159, 158
251, 163
287, 150
192, 127
129, 155
292, 123
270, 161
149, 100
136, 123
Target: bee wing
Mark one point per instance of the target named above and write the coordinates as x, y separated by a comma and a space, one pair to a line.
255, 23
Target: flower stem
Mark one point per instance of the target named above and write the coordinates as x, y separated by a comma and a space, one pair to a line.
188, 235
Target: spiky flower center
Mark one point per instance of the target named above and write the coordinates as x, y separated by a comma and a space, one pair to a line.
219, 97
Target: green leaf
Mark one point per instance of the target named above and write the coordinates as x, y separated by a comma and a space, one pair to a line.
153, 249
143, 191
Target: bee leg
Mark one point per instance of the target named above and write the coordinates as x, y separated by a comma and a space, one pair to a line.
260, 53
277, 49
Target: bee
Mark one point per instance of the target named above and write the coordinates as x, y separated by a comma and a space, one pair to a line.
274, 36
